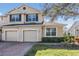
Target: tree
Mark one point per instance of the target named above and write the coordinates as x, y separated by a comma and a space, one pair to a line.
64, 10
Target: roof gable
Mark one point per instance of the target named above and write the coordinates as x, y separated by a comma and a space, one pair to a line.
21, 9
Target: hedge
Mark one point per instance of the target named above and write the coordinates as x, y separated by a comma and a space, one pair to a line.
53, 39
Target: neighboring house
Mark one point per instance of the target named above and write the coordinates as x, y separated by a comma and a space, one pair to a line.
26, 24
74, 29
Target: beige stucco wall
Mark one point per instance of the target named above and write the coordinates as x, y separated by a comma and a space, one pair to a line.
6, 19
20, 29
41, 29
59, 30
18, 10
3, 20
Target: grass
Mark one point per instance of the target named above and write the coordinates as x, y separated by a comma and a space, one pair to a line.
51, 50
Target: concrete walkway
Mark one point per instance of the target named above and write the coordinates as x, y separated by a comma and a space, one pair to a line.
14, 49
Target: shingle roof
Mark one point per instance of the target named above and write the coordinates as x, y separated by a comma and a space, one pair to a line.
24, 24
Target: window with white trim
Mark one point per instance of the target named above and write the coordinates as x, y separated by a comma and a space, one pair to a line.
15, 18
50, 31
32, 17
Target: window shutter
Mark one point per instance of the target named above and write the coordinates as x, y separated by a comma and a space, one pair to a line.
36, 17
26, 17
20, 17
10, 18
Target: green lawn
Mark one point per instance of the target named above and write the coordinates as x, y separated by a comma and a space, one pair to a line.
49, 50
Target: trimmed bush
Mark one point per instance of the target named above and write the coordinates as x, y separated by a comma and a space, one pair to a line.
68, 38
53, 39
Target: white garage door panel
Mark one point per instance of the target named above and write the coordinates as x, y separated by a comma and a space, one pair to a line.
11, 35
30, 35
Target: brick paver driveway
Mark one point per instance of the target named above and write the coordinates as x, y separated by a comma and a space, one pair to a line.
14, 49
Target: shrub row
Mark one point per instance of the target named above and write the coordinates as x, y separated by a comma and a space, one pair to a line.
53, 39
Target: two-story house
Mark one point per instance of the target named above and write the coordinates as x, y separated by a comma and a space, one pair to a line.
26, 24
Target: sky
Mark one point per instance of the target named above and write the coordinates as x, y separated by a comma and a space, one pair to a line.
4, 7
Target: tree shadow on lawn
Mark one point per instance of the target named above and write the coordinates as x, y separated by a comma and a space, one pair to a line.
40, 47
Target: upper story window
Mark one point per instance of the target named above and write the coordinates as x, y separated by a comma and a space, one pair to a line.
32, 17
50, 31
15, 18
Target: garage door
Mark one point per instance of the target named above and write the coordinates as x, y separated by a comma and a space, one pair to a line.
30, 35
11, 35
